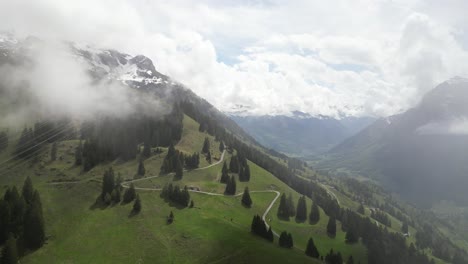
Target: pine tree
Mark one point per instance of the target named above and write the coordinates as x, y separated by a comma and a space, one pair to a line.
208, 157
108, 184
301, 212
192, 204
115, 195
350, 260
291, 208
331, 226
179, 170
10, 252
34, 232
141, 169
270, 235
53, 152
311, 249
129, 194
28, 190
246, 200
283, 211
314, 216
136, 205
247, 173
231, 186
170, 218
224, 174
234, 165
206, 146
285, 240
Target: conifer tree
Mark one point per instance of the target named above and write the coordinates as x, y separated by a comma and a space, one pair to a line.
234, 165
311, 249
192, 204
206, 146
231, 186
283, 211
170, 218
331, 226
246, 200
108, 184
224, 174
247, 173
53, 152
141, 168
270, 235
136, 205
28, 190
9, 252
208, 157
301, 212
34, 232
314, 216
291, 208
179, 170
350, 260
129, 194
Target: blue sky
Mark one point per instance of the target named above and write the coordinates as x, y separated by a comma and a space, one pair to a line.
332, 58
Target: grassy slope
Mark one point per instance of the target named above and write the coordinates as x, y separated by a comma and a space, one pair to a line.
205, 234
79, 234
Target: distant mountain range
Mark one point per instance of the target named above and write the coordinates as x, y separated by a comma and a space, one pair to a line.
300, 134
421, 154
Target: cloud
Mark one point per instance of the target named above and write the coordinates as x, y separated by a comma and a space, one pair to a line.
51, 82
325, 58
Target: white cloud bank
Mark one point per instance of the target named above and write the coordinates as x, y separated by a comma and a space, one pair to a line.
321, 57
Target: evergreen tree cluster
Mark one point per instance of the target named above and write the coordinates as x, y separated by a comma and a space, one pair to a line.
21, 222
231, 186
286, 240
259, 228
109, 138
238, 164
141, 171
176, 195
173, 162
110, 191
382, 217
286, 207
192, 161
3, 140
333, 258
